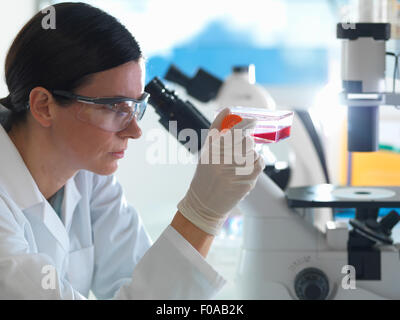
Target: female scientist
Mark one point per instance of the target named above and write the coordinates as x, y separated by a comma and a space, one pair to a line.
76, 93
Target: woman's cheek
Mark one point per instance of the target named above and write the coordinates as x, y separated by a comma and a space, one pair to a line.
100, 143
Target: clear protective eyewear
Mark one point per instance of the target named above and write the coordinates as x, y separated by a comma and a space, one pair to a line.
111, 114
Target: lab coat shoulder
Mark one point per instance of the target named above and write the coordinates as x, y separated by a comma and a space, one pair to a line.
12, 225
16, 235
21, 266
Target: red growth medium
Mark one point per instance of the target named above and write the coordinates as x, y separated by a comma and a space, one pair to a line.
271, 136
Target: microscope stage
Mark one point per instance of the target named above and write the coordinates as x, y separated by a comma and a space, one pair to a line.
330, 196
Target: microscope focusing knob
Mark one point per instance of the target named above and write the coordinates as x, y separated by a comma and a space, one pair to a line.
389, 221
311, 284
377, 231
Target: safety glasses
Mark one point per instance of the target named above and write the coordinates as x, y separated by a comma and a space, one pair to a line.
110, 114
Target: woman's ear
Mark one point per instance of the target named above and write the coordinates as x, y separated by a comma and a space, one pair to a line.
42, 104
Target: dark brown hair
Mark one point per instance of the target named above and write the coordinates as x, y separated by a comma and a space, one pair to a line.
85, 40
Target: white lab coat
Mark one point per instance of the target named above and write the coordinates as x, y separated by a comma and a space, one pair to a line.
100, 244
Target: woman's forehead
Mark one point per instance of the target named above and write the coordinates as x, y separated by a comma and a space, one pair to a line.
126, 80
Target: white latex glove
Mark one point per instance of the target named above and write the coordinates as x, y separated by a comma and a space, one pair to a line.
216, 188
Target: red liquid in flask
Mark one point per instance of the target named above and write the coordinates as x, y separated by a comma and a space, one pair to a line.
272, 136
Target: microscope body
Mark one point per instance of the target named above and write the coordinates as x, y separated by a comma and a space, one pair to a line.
284, 256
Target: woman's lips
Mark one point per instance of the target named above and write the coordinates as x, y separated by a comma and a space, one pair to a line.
118, 155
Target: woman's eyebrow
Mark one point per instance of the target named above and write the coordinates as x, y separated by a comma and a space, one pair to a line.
119, 97
125, 97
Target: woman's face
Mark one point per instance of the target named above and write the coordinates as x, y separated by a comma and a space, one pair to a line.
86, 146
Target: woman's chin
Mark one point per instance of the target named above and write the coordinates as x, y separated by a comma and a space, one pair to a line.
106, 170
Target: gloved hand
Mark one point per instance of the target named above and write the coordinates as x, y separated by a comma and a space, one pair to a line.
216, 188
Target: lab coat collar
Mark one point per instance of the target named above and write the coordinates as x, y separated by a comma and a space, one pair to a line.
18, 183
70, 201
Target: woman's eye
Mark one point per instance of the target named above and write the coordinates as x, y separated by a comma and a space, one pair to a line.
121, 113
116, 109
121, 109
106, 110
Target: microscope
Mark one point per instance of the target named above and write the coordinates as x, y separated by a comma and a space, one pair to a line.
283, 255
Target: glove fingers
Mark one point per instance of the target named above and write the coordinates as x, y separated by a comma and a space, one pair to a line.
216, 124
245, 124
236, 142
249, 172
239, 134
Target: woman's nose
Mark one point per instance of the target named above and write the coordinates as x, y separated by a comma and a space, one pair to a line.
132, 131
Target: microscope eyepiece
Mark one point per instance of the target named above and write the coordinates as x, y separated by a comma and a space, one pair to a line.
203, 86
170, 107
